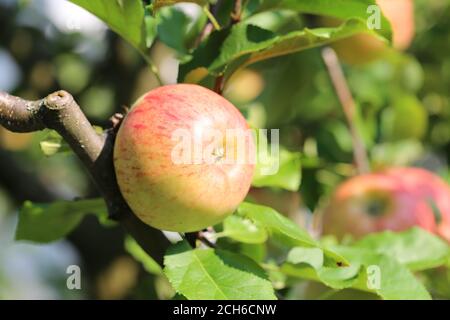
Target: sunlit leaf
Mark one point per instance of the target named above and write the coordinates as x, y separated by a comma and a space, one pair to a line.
245, 44
283, 229
243, 230
416, 248
124, 17
210, 274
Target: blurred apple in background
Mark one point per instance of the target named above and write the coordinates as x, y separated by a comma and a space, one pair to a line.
400, 14
364, 48
244, 86
394, 199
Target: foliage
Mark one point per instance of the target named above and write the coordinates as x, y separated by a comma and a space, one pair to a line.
261, 253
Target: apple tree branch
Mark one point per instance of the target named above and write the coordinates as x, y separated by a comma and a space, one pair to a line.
60, 112
348, 106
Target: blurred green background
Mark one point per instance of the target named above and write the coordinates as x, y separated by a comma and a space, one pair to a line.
404, 117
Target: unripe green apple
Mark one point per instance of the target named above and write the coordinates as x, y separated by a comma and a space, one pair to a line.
164, 188
395, 199
363, 48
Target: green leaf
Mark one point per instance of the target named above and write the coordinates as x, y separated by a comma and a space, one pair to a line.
396, 281
277, 225
415, 248
273, 20
368, 271
203, 56
125, 17
391, 255
256, 252
246, 44
241, 262
157, 4
135, 250
334, 277
310, 256
243, 230
209, 274
151, 28
342, 9
49, 222
173, 29
53, 143
288, 175
283, 229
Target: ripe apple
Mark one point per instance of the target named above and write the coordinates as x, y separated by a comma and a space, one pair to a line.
181, 196
395, 199
364, 48
400, 14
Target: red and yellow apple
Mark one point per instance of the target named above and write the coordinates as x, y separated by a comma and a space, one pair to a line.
395, 199
364, 48
188, 195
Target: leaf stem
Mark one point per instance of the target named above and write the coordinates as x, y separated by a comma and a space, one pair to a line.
152, 66
211, 18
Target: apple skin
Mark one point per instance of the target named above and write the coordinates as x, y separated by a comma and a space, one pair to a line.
171, 196
400, 14
363, 48
395, 199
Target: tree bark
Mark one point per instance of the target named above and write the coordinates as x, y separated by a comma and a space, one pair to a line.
60, 112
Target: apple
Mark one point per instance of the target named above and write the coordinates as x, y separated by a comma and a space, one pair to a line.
244, 86
166, 189
364, 48
433, 191
394, 199
400, 13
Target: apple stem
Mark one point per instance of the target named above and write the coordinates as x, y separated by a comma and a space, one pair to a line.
348, 106
219, 84
202, 236
60, 112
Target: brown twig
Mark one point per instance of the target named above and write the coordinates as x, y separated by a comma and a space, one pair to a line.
60, 112
237, 11
348, 105
202, 236
209, 27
